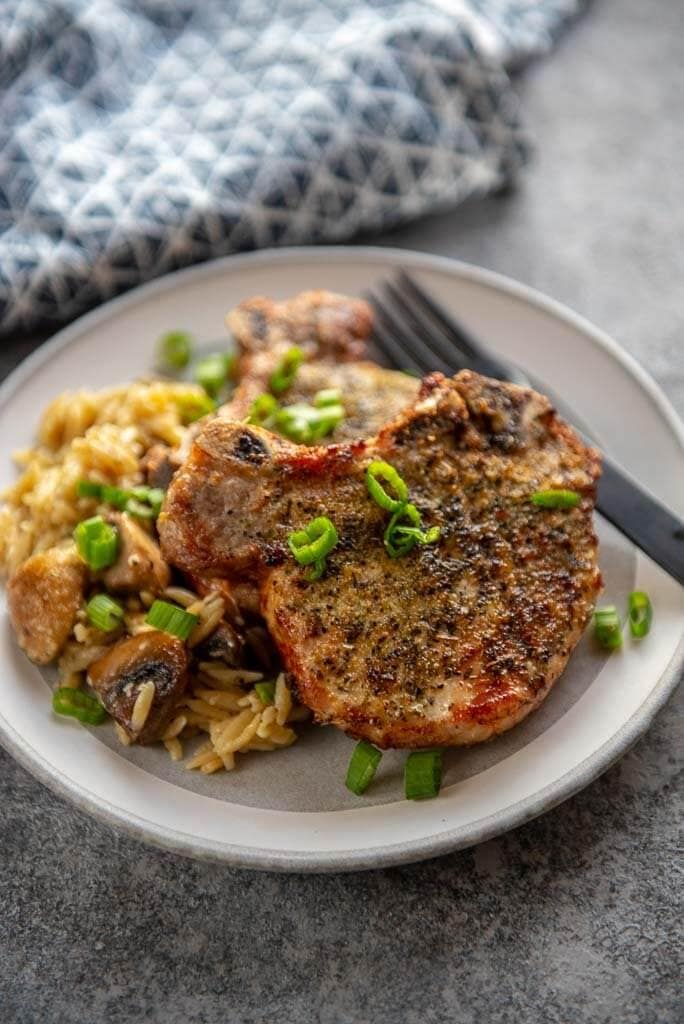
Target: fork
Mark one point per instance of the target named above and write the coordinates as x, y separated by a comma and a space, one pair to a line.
414, 332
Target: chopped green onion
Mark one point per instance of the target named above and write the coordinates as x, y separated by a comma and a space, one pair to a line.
419, 536
143, 502
78, 704
400, 538
397, 545
174, 350
315, 571
211, 372
423, 774
285, 372
378, 471
556, 499
193, 407
139, 510
640, 614
97, 542
171, 619
152, 496
313, 544
88, 489
607, 627
115, 496
328, 396
104, 613
262, 409
305, 424
362, 767
265, 692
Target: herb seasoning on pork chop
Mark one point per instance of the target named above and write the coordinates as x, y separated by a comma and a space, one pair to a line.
454, 642
332, 331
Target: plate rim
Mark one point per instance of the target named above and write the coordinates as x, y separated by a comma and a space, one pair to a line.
259, 858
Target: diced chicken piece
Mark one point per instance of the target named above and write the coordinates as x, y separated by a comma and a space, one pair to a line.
140, 682
140, 565
44, 596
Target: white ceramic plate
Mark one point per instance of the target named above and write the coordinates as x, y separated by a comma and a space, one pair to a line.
290, 810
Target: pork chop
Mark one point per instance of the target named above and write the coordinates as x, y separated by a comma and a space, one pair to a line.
456, 641
327, 326
370, 394
333, 331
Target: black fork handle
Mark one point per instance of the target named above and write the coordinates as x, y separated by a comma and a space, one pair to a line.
647, 523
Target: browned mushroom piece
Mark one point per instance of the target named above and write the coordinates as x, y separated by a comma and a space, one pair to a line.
140, 565
44, 595
224, 644
159, 464
140, 682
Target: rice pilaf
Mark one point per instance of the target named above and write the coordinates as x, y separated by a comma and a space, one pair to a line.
103, 436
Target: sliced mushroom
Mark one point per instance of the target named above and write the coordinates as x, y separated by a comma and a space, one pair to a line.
140, 565
124, 676
224, 644
159, 465
261, 649
44, 596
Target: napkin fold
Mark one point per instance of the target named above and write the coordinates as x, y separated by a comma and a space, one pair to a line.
139, 136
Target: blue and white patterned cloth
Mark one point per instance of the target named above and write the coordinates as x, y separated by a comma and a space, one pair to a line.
138, 136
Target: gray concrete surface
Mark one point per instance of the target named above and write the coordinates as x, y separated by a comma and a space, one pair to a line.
572, 918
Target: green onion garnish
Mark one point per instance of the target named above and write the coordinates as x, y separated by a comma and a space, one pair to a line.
285, 372
194, 407
143, 502
378, 471
404, 531
556, 499
152, 496
328, 396
174, 350
265, 692
88, 489
299, 422
362, 767
78, 704
115, 496
97, 542
212, 371
423, 774
262, 409
607, 627
640, 614
171, 619
104, 613
313, 544
305, 424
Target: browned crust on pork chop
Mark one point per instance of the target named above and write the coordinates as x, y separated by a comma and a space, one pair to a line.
450, 644
371, 394
326, 325
332, 330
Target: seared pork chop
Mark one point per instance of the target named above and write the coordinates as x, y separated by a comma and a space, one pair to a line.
371, 395
332, 330
327, 326
450, 644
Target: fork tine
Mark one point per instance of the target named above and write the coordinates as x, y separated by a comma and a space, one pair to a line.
408, 341
390, 344
478, 358
435, 339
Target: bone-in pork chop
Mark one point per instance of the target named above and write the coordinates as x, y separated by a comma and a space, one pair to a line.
450, 644
332, 330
